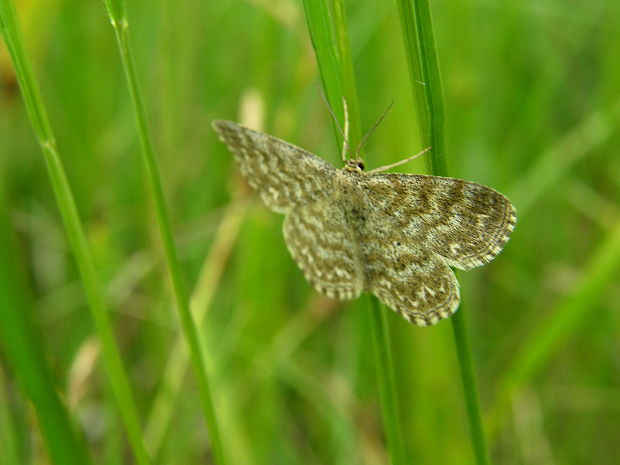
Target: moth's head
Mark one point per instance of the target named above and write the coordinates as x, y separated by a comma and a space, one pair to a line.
355, 165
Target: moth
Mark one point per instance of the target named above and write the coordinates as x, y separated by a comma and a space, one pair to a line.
391, 234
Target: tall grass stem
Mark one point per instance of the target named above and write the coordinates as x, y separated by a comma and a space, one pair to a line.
384, 366
75, 232
470, 387
118, 17
419, 41
333, 56
21, 348
330, 37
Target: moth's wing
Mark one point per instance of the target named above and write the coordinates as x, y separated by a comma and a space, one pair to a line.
283, 174
413, 281
320, 241
465, 223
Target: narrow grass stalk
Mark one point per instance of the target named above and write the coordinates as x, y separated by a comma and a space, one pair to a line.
470, 387
384, 366
423, 64
333, 56
419, 41
66, 204
327, 25
347, 73
23, 352
158, 422
118, 17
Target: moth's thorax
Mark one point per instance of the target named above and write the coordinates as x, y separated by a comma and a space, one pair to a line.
348, 190
347, 179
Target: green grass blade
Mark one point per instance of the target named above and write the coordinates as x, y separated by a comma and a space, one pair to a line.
418, 37
66, 204
23, 352
161, 415
470, 386
331, 46
386, 380
120, 23
419, 42
347, 73
329, 33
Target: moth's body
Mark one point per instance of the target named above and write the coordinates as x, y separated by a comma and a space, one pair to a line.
394, 235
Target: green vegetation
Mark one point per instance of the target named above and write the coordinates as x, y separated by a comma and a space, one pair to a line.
531, 102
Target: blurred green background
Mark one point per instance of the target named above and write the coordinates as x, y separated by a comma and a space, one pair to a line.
532, 93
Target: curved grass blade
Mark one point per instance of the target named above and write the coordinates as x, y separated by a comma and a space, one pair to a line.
22, 350
329, 33
118, 17
418, 37
66, 204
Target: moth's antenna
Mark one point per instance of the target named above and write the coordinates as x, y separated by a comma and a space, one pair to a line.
363, 142
345, 136
398, 163
345, 133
